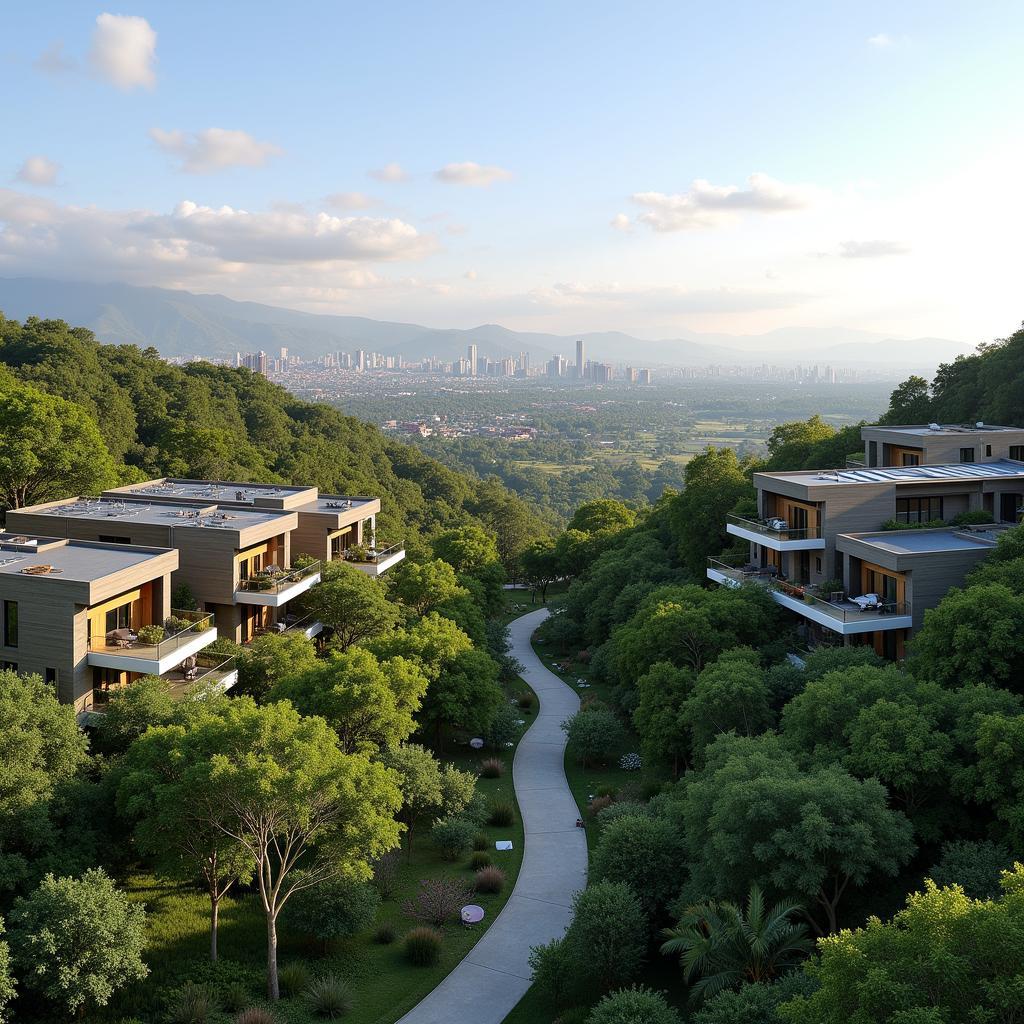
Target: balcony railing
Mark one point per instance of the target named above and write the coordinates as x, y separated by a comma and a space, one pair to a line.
845, 610
275, 583
204, 669
154, 642
775, 528
855, 462
373, 556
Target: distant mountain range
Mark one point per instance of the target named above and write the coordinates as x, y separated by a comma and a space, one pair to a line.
180, 323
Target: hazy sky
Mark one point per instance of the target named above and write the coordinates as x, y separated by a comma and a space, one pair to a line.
656, 167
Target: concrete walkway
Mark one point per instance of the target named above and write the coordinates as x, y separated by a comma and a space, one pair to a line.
495, 974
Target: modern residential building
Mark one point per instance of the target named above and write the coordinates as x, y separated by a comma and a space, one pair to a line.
940, 444
818, 543
90, 617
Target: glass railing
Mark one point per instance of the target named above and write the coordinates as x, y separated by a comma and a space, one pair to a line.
775, 528
855, 462
275, 582
154, 642
849, 609
200, 669
288, 624
372, 556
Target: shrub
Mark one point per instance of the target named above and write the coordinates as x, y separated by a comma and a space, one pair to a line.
293, 978
385, 934
256, 1015
174, 625
599, 804
631, 762
503, 815
622, 809
477, 810
385, 873
195, 1005
594, 734
492, 768
438, 900
334, 909
629, 1005
489, 879
481, 841
975, 867
607, 789
329, 996
234, 996
976, 517
150, 635
423, 946
453, 836
527, 701
480, 860
577, 1015
504, 728
644, 853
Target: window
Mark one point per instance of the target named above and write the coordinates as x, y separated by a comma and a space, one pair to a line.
10, 623
106, 538
918, 510
51, 676
1017, 452
817, 566
8, 666
119, 618
910, 459
966, 454
988, 451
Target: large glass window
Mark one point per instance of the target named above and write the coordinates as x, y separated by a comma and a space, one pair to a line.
918, 510
911, 459
10, 623
1017, 452
119, 618
966, 454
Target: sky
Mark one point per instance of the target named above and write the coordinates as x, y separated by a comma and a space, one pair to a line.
663, 168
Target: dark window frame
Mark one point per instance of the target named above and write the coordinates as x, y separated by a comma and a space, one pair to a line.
969, 452
10, 623
919, 510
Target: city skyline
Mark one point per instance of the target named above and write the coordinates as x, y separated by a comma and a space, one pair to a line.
734, 173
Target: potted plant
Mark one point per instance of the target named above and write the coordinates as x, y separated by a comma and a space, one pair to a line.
151, 635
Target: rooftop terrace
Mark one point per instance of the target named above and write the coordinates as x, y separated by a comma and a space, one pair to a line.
215, 490
913, 542
938, 429
1002, 468
160, 513
76, 561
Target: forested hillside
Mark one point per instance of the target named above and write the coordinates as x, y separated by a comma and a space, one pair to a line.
134, 416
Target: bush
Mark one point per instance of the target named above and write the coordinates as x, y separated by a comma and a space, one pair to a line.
329, 996
438, 900
975, 867
234, 996
150, 635
480, 860
195, 1005
599, 804
174, 625
293, 978
577, 1015
385, 934
594, 734
503, 815
527, 701
977, 517
423, 946
385, 873
755, 1003
644, 853
607, 789
492, 768
504, 728
490, 880
481, 841
629, 1005
334, 909
622, 809
182, 597
477, 810
256, 1015
453, 836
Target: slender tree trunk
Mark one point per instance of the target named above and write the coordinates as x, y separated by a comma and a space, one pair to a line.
273, 988
214, 913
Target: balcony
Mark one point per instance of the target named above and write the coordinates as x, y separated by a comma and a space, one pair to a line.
307, 625
272, 589
775, 534
841, 616
153, 650
375, 561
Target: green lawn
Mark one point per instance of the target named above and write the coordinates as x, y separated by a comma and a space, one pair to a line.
383, 985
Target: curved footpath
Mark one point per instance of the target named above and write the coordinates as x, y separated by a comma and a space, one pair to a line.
495, 974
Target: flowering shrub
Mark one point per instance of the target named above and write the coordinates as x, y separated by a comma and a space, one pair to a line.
631, 762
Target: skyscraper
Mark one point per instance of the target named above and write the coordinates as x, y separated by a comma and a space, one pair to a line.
471, 356
581, 362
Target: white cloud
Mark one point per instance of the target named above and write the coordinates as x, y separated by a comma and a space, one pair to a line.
53, 60
473, 174
350, 201
665, 300
872, 249
124, 51
880, 40
621, 222
708, 206
389, 172
38, 170
214, 149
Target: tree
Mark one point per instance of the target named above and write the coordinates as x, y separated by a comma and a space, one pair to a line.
730, 695
353, 605
131, 711
753, 1004
658, 718
977, 867
632, 1005
909, 403
272, 656
75, 942
465, 695
945, 957
974, 635
296, 800
539, 566
7, 986
369, 703
790, 445
427, 789
177, 820
594, 733
721, 945
51, 449
466, 548
604, 516
645, 853
333, 909
753, 817
422, 586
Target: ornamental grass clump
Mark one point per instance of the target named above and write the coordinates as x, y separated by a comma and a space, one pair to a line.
423, 946
293, 978
480, 860
489, 880
256, 1015
329, 997
503, 814
492, 768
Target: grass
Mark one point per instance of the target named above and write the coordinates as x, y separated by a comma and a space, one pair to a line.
382, 983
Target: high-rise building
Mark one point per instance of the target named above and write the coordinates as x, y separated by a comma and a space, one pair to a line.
471, 356
284, 354
524, 363
646, 377
360, 360
581, 362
